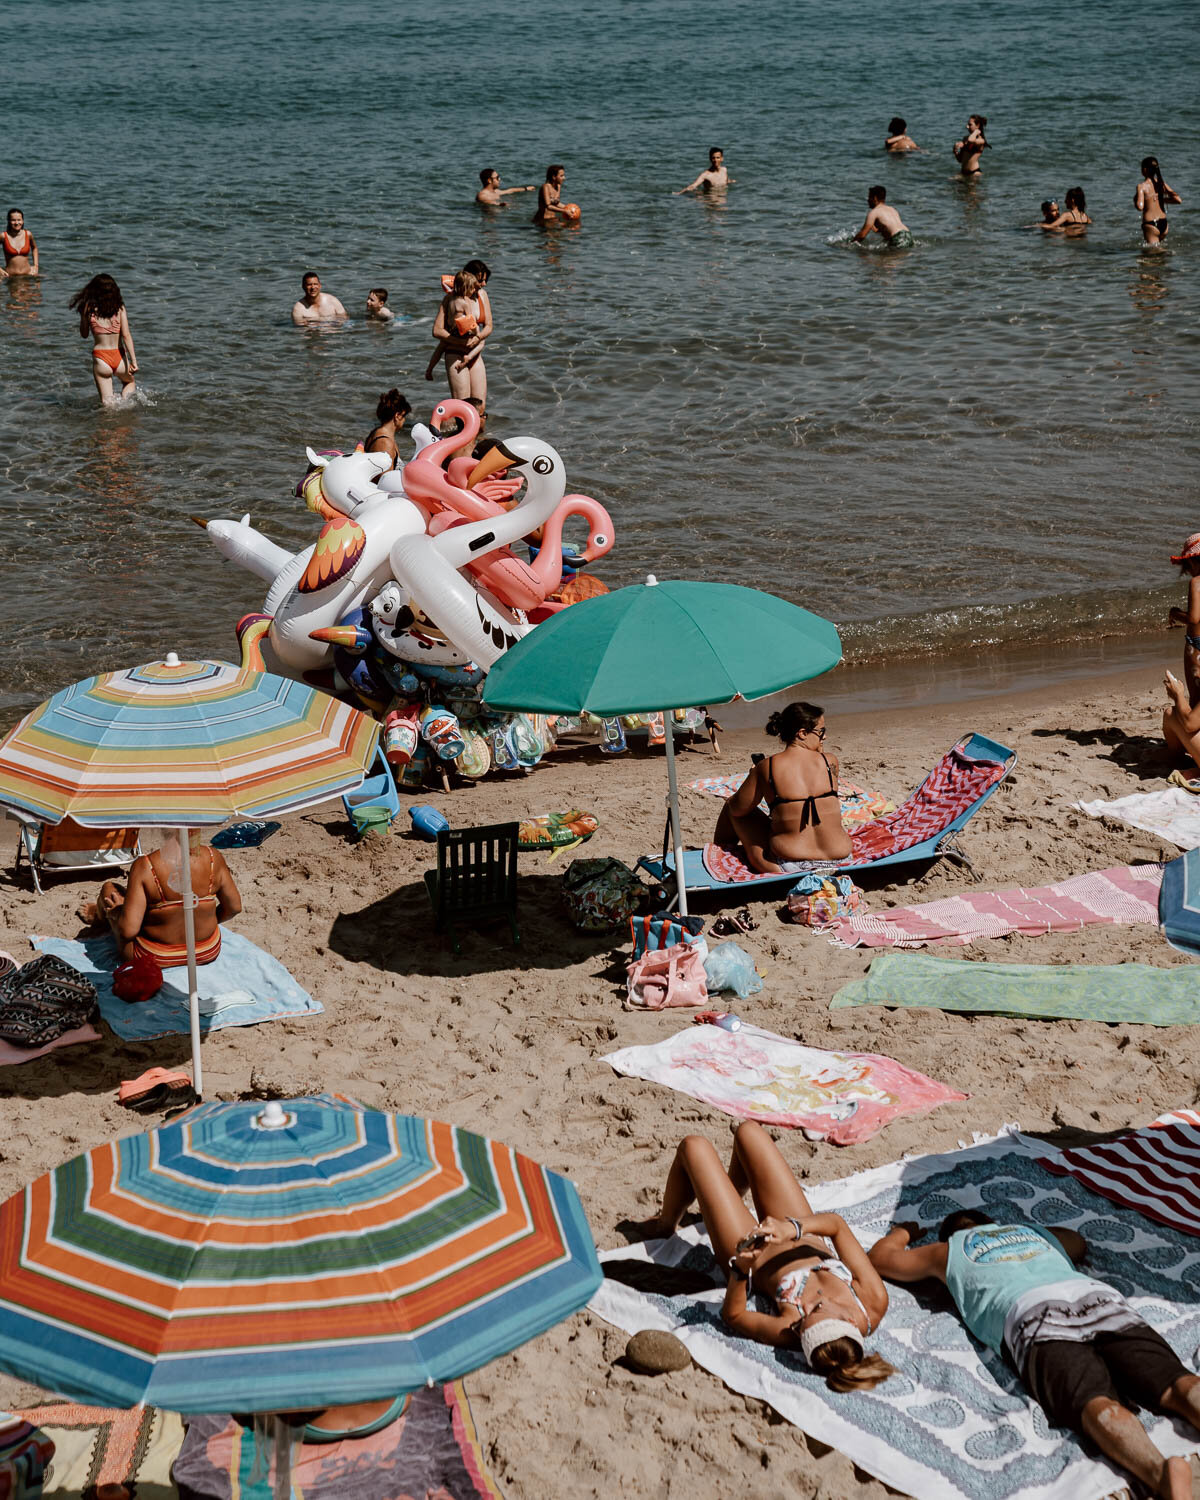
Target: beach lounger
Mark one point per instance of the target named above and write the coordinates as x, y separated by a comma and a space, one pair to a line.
922, 828
67, 849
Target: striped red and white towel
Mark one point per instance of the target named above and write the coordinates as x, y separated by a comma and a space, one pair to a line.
1124, 894
1154, 1170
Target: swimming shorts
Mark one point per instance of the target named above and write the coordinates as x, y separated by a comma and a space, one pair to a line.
1135, 1363
901, 240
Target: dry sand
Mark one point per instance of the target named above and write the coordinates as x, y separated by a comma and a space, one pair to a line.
507, 1042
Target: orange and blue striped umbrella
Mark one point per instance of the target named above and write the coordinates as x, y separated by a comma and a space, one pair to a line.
303, 1255
182, 744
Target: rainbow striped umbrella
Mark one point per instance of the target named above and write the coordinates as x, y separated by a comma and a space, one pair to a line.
303, 1255
183, 744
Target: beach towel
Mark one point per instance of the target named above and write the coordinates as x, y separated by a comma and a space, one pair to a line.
432, 1450
954, 1423
1174, 814
100, 1445
11, 1055
1179, 902
1135, 993
842, 1097
1154, 1171
25, 1454
857, 804
1124, 894
241, 987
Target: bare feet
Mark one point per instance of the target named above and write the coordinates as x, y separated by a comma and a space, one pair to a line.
645, 1229
87, 913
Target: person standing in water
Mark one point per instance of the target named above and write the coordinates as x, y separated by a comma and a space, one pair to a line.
714, 175
390, 413
1151, 199
315, 306
968, 151
885, 221
550, 207
101, 310
897, 137
491, 194
19, 246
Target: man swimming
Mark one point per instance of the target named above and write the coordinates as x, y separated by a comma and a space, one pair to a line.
714, 175
491, 194
316, 306
885, 221
897, 138
19, 246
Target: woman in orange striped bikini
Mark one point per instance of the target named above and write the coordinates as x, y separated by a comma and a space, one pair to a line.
147, 917
101, 310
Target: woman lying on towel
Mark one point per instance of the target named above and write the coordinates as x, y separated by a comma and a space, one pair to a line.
799, 786
827, 1294
147, 916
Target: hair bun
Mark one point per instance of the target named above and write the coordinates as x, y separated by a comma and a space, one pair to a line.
774, 725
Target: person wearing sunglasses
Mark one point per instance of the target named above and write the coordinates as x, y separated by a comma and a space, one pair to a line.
803, 820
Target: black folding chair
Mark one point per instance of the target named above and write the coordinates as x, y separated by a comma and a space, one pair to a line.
475, 879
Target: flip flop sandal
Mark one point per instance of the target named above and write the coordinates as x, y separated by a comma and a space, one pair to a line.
157, 1088
244, 835
612, 737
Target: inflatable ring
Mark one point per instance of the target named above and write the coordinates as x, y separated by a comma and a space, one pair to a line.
556, 830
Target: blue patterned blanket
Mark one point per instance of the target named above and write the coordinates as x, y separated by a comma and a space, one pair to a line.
954, 1423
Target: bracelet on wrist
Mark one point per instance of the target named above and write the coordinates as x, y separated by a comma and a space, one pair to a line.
795, 1223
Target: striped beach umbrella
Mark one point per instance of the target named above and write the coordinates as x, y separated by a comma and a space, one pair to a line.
183, 744
186, 744
304, 1254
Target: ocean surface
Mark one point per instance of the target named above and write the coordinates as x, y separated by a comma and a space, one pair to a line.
990, 439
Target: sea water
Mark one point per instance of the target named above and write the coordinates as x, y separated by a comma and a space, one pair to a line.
988, 439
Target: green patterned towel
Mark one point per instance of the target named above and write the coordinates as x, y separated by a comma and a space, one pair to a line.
1075, 992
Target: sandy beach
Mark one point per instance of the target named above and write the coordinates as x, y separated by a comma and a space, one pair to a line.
507, 1041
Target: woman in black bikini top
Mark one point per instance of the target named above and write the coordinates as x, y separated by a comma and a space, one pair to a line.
769, 839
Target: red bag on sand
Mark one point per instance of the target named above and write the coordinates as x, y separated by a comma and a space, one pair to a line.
139, 979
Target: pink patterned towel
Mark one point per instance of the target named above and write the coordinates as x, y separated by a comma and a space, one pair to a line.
840, 1097
1124, 894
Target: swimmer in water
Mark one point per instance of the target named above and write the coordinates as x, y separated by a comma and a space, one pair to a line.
491, 194
549, 206
377, 309
19, 246
1049, 214
101, 310
1075, 218
885, 221
968, 151
1151, 199
315, 306
897, 139
714, 175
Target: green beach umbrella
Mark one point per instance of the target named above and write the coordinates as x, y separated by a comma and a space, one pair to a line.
655, 646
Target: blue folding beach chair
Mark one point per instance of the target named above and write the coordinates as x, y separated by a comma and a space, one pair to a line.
940, 844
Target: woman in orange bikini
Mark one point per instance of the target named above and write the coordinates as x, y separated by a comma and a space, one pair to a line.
19, 246
147, 917
101, 310
799, 786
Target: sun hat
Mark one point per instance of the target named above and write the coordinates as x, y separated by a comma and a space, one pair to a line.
1191, 549
824, 1332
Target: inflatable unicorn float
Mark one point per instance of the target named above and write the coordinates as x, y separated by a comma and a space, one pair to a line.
413, 590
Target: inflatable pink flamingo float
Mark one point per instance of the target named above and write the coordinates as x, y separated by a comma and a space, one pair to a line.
471, 492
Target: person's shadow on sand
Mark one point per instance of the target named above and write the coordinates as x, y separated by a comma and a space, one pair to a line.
1145, 756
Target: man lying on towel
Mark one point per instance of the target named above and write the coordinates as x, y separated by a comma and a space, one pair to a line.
147, 916
1075, 1342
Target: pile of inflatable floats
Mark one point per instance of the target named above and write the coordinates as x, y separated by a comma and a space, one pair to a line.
414, 588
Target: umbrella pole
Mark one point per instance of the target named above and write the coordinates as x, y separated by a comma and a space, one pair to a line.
673, 805
189, 933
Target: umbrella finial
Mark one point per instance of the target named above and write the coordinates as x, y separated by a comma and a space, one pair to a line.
272, 1116
172, 659
651, 581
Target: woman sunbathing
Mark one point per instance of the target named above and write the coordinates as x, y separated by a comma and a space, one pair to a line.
799, 785
827, 1294
146, 917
